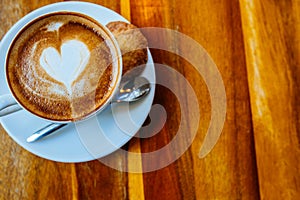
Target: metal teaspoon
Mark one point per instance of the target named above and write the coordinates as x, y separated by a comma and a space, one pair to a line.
130, 91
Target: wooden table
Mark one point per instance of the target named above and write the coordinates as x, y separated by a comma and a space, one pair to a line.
256, 46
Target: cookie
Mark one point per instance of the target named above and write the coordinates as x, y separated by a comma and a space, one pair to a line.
133, 45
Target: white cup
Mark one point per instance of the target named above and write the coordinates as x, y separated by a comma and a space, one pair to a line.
10, 104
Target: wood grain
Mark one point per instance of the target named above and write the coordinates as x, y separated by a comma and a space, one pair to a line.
230, 170
255, 45
271, 31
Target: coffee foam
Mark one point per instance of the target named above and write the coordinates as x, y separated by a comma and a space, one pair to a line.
61, 67
66, 65
54, 26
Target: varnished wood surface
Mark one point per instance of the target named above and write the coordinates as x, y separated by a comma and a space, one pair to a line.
255, 45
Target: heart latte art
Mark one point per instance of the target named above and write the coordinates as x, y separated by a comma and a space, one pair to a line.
66, 65
61, 67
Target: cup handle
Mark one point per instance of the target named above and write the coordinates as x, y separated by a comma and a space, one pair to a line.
8, 105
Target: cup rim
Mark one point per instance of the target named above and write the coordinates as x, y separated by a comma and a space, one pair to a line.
109, 36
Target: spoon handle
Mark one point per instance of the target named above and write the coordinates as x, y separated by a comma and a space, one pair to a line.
43, 132
8, 105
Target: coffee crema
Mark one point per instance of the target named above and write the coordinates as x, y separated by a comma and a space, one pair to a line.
60, 67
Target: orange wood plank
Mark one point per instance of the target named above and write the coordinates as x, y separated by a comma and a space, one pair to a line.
271, 32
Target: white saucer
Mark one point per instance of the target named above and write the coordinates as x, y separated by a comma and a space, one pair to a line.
66, 145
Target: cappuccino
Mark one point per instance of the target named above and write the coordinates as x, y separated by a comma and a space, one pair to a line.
62, 66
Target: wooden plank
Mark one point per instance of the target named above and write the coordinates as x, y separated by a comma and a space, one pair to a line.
125, 9
164, 183
229, 171
271, 32
25, 176
135, 180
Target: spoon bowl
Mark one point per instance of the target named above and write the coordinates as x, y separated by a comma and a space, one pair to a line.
132, 90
